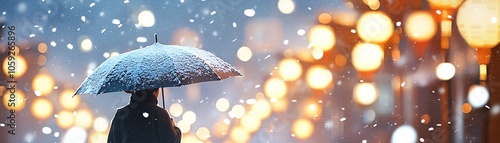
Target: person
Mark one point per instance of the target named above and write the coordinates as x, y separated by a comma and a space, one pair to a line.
142, 120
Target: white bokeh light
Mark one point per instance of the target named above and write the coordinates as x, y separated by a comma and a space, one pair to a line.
75, 134
445, 71
86, 45
146, 18
478, 96
404, 134
286, 6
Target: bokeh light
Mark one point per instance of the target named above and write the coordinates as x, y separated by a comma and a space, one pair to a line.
41, 60
445, 71
425, 119
220, 128
324, 18
42, 47
20, 66
189, 117
477, 22
317, 53
203, 133
275, 88
19, 100
186, 37
98, 137
239, 135
466, 108
86, 45
286, 6
244, 53
237, 111
101, 124
250, 123
41, 108
65, 119
420, 26
322, 37
318, 77
68, 101
84, 118
312, 109
222, 104
290, 69
367, 57
261, 109
478, 96
75, 134
369, 116
302, 128
365, 93
146, 18
176, 109
375, 26
404, 134
184, 126
280, 105
43, 83
445, 4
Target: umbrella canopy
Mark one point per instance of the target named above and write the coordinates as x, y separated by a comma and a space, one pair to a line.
156, 66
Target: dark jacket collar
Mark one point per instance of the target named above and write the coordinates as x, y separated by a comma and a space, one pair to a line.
143, 98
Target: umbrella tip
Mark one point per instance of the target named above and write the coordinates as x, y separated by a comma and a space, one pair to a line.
156, 38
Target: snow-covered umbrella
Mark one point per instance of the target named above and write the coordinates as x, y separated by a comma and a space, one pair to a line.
156, 66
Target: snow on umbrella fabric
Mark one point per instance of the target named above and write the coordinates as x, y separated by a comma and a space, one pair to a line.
156, 66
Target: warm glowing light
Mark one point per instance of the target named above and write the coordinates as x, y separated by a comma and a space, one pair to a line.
373, 4
318, 77
222, 104
425, 119
281, 105
244, 53
420, 26
466, 108
184, 126
83, 118
445, 4
322, 37
101, 124
286, 6
340, 60
261, 109
98, 137
41, 108
19, 68
475, 24
367, 57
146, 18
365, 93
445, 71
238, 134
250, 123
67, 100
41, 60
186, 37
86, 45
18, 99
176, 109
42, 47
290, 69
478, 96
75, 134
405, 134
324, 18
317, 53
43, 83
203, 133
65, 119
189, 117
375, 26
275, 88
312, 109
237, 111
220, 128
302, 128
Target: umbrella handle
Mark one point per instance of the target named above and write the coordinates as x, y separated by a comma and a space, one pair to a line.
162, 97
156, 41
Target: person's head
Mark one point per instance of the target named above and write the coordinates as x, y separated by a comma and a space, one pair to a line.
151, 91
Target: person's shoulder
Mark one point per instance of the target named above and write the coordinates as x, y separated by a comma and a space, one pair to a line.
160, 111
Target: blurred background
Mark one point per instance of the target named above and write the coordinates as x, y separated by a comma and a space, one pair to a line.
314, 71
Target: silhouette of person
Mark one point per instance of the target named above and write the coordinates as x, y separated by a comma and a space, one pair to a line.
142, 120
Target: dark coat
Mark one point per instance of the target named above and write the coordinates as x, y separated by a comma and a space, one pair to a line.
143, 121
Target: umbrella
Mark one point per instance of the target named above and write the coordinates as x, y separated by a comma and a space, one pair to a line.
156, 66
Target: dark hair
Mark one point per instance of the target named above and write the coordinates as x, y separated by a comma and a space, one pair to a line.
140, 95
